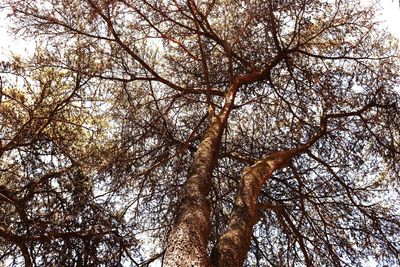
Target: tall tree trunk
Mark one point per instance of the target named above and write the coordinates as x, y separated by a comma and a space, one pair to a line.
187, 243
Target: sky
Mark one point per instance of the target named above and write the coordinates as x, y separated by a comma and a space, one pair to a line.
391, 14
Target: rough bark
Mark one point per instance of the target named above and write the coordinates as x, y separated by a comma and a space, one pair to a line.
187, 243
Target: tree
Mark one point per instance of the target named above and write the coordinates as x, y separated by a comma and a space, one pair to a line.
263, 133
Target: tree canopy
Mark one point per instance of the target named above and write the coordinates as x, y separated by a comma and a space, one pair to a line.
200, 133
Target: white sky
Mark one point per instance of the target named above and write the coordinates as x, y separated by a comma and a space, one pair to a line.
391, 14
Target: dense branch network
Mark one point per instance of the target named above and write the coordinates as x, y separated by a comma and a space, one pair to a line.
210, 133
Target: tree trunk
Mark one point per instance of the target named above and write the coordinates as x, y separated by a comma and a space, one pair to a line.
187, 244
232, 247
